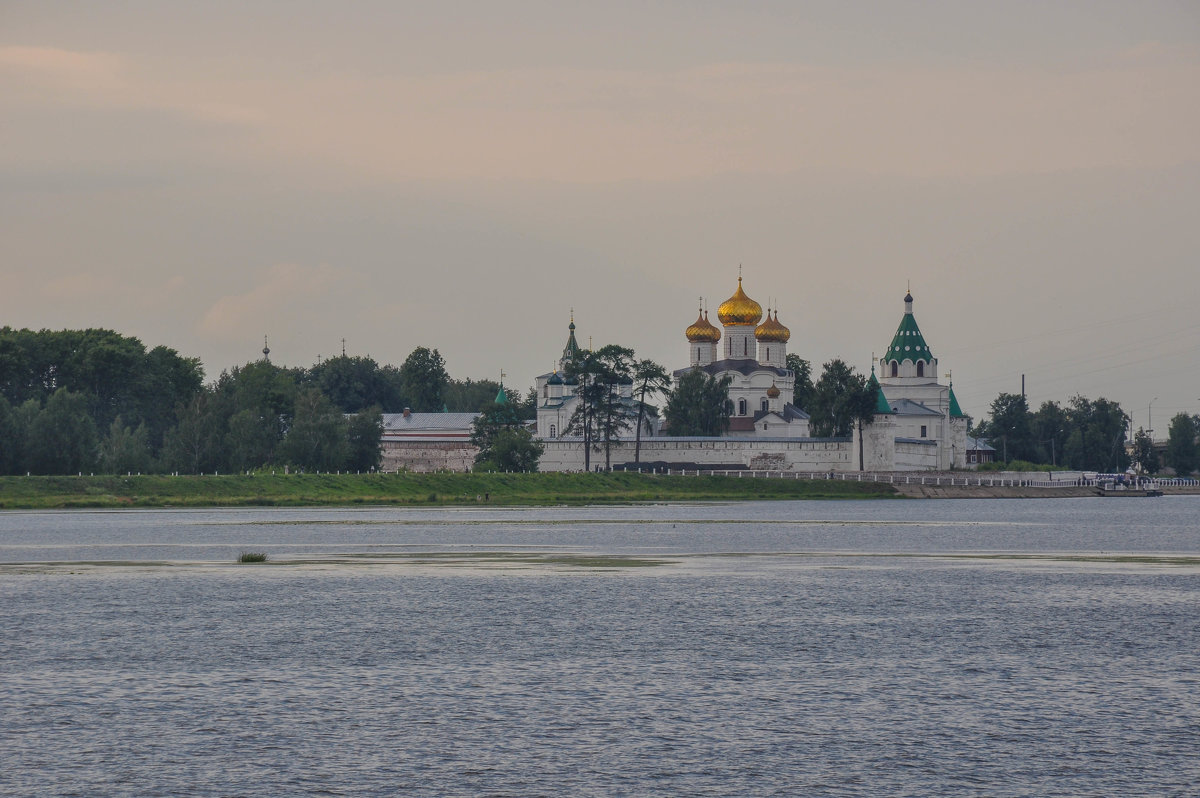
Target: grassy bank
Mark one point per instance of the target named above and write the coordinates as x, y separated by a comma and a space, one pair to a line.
298, 490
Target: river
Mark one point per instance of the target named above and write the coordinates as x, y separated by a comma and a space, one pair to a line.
975, 647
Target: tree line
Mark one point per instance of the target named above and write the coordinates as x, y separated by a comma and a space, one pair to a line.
1083, 435
96, 401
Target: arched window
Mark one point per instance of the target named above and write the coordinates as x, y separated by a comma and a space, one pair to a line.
768, 353
741, 407
545, 390
895, 368
553, 431
765, 406
920, 368
745, 347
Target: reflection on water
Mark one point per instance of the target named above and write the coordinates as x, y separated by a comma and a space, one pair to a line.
1041, 647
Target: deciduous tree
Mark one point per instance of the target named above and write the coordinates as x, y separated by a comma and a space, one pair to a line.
699, 405
802, 393
424, 378
1144, 453
1183, 453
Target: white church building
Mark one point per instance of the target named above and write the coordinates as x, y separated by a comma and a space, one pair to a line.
918, 423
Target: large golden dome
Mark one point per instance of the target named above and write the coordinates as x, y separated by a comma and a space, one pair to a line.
739, 310
703, 331
772, 330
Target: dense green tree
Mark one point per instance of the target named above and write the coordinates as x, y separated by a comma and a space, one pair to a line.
604, 411
649, 380
251, 441
503, 441
318, 436
699, 405
115, 374
257, 401
1097, 438
364, 433
513, 450
614, 411
125, 450
62, 438
861, 403
802, 393
10, 437
527, 407
424, 379
469, 396
196, 444
1183, 450
841, 398
1144, 453
355, 383
1010, 429
1050, 426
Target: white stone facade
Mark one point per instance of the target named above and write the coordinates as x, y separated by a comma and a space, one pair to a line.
922, 430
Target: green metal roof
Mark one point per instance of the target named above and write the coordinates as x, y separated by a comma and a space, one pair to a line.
501, 396
955, 410
908, 343
881, 402
572, 347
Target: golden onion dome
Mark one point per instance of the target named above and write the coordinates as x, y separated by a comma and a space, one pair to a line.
739, 310
703, 331
773, 391
772, 330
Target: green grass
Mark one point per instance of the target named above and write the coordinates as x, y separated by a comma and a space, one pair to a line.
252, 556
306, 490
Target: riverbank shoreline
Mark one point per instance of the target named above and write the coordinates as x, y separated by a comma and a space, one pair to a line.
407, 489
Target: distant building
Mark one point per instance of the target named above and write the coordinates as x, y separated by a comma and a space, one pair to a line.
918, 423
979, 452
428, 441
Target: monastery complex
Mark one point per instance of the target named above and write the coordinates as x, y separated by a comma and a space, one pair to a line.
918, 424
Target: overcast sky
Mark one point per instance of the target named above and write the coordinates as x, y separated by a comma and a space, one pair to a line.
461, 175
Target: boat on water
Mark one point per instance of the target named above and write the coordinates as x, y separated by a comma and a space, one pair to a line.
1133, 487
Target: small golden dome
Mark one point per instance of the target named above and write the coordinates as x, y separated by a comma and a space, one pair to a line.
739, 310
772, 330
773, 391
703, 331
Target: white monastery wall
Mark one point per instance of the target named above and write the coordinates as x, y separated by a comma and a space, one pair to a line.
778, 454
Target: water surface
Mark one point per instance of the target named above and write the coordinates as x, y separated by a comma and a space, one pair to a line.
990, 647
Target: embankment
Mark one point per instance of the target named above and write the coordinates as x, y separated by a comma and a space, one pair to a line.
308, 490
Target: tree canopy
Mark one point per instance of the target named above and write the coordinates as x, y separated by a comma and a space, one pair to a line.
1183, 449
699, 405
424, 379
841, 399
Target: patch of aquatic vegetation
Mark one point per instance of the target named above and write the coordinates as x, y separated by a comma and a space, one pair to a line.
508, 558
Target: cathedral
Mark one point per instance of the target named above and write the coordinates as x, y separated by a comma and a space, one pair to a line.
918, 424
754, 358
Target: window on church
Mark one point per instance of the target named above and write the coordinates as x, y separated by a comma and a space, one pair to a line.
553, 431
923, 430
741, 407
745, 345
895, 368
765, 407
920, 368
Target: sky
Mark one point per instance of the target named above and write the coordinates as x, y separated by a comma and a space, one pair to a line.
463, 175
